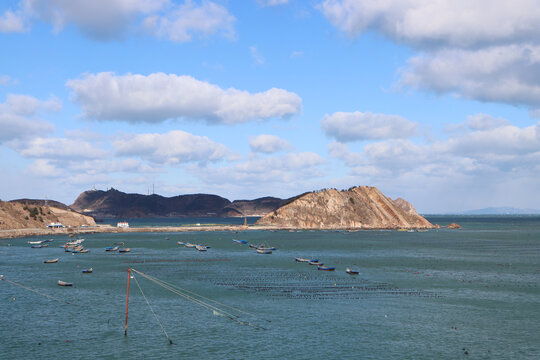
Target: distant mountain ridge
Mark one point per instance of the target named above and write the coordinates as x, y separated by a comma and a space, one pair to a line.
500, 211
117, 204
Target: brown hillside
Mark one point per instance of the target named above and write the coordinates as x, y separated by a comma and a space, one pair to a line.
14, 215
362, 207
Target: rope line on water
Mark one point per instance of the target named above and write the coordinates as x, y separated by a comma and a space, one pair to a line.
153, 312
37, 292
216, 310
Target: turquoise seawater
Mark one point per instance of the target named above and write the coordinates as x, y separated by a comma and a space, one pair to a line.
471, 293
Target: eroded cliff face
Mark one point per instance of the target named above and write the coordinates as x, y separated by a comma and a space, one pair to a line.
14, 215
362, 207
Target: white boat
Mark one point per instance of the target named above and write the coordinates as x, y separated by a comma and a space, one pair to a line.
189, 245
263, 251
352, 272
51, 261
36, 242
75, 242
63, 283
201, 247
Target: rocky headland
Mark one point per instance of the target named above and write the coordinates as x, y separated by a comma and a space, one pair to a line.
362, 207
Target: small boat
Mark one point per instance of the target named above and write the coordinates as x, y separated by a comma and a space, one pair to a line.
51, 261
315, 262
352, 272
36, 246
119, 243
36, 242
124, 250
110, 248
87, 271
75, 242
201, 247
263, 251
326, 268
63, 283
189, 245
48, 240
83, 250
181, 243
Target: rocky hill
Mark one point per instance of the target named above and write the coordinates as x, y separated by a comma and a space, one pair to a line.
117, 204
362, 207
21, 215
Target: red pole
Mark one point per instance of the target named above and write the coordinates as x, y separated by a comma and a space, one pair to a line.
127, 302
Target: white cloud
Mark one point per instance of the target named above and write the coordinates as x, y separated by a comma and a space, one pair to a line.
100, 19
456, 23
366, 126
485, 122
256, 55
481, 158
184, 21
295, 170
507, 74
60, 148
18, 117
273, 2
174, 147
5, 80
11, 22
113, 19
268, 144
157, 97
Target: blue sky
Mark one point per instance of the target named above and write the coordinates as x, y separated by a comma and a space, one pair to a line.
433, 101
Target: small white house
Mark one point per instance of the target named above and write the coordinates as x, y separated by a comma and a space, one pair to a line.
55, 225
124, 225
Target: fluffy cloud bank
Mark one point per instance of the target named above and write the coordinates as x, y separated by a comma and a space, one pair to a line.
173, 147
485, 154
18, 117
109, 19
477, 49
507, 74
268, 144
356, 126
453, 23
159, 96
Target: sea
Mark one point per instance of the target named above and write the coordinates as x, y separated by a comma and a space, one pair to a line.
472, 293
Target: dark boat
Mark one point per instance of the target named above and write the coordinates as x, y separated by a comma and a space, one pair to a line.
87, 271
63, 283
352, 272
326, 268
124, 250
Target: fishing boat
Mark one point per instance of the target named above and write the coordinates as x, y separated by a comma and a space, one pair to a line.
63, 283
110, 248
352, 272
75, 242
201, 247
124, 250
119, 243
83, 250
263, 251
36, 246
326, 268
36, 242
189, 245
306, 260
51, 261
315, 262
87, 271
181, 243
48, 240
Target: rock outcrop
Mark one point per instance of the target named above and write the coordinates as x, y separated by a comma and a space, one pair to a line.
25, 215
362, 207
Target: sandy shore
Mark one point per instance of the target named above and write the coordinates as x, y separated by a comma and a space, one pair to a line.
15, 233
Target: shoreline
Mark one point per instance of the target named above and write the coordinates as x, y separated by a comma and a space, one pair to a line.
18, 233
